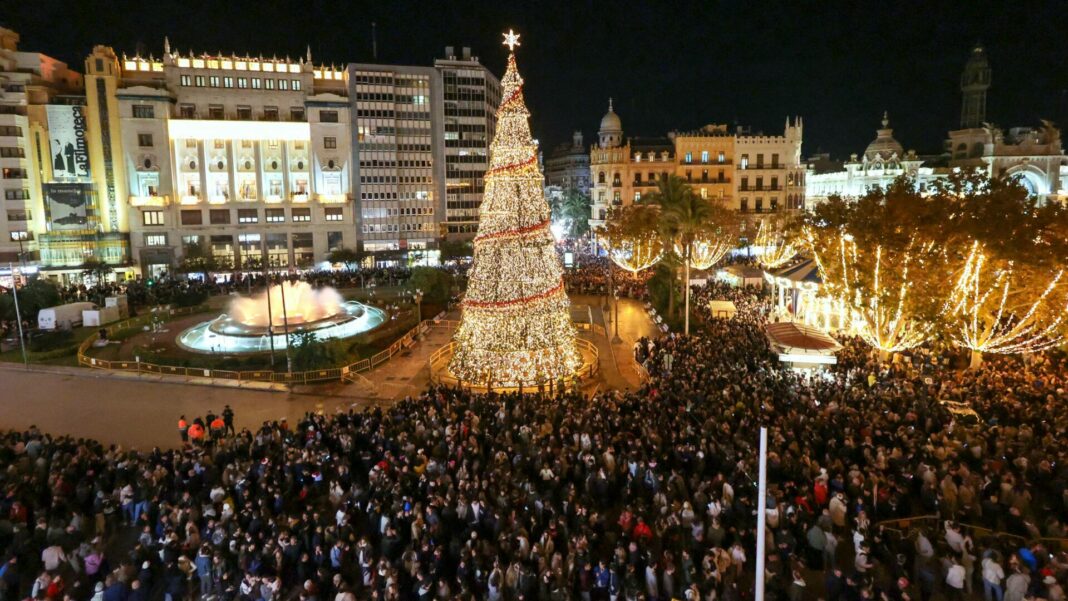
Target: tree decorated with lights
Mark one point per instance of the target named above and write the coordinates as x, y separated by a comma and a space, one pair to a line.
516, 326
633, 239
777, 247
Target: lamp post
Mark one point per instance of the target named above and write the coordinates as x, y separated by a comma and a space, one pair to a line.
18, 313
615, 294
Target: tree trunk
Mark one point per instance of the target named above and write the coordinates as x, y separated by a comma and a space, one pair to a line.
884, 356
671, 296
977, 360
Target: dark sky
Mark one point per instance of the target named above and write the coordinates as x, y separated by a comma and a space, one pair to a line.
669, 65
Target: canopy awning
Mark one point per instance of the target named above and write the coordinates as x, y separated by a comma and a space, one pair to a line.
798, 343
803, 273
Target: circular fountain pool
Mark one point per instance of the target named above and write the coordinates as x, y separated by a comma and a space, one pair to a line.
249, 324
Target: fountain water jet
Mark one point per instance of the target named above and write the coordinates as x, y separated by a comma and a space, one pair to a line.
244, 328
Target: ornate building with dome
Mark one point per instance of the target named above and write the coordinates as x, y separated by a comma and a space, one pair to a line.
1034, 156
747, 171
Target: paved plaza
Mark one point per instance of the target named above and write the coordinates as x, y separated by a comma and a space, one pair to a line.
142, 410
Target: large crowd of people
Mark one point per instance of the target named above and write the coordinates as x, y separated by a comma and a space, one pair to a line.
594, 275
649, 494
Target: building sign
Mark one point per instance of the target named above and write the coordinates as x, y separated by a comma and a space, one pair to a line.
66, 134
68, 205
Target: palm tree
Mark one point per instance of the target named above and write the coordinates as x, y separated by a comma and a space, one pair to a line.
669, 192
574, 209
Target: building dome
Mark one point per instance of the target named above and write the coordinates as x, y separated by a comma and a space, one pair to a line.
884, 144
610, 122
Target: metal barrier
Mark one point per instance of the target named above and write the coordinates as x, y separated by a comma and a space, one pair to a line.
441, 376
289, 378
903, 526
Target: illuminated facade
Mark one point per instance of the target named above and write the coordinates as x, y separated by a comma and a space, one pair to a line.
1034, 156
248, 159
470, 96
751, 173
43, 134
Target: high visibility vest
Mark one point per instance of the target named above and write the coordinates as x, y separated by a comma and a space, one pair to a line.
182, 424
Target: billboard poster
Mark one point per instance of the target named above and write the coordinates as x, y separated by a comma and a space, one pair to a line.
66, 133
68, 205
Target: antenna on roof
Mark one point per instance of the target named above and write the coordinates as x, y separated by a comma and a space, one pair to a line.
374, 40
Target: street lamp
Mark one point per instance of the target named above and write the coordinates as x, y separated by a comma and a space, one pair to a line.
417, 298
18, 314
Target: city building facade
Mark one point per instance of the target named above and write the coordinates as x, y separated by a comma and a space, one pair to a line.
242, 158
1033, 156
745, 171
568, 166
471, 94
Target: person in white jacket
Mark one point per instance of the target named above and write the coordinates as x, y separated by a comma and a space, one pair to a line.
993, 574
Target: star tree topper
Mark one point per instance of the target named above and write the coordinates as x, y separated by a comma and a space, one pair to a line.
511, 39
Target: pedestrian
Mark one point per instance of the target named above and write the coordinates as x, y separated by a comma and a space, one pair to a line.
183, 429
228, 418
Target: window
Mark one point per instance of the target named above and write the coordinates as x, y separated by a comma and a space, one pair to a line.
704, 156
329, 142
155, 239
283, 84
228, 82
268, 84
215, 111
328, 116
187, 111
721, 157
242, 82
637, 196
704, 192
16, 194
257, 83
296, 113
296, 85
760, 161
775, 160
244, 113
186, 80
219, 216
600, 177
744, 163
745, 183
759, 205
152, 218
248, 216
20, 235
774, 183
270, 113
334, 240
774, 203
759, 183
276, 215
213, 81
744, 205
192, 217
301, 214
144, 140
199, 79
144, 111
334, 214
689, 157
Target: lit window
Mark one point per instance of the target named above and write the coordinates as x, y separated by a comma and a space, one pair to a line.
283, 84
248, 216
268, 84
704, 156
228, 82
334, 214
143, 111
689, 157
152, 218
276, 215
296, 85
213, 81
155, 239
242, 82
186, 80
301, 214
257, 83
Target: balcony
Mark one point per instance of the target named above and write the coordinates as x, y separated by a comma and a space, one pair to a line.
149, 201
300, 197
190, 199
333, 198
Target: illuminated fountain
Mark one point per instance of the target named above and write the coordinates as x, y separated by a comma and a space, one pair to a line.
247, 325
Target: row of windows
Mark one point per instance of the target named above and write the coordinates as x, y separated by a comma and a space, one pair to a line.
383, 228
244, 216
401, 163
10, 130
13, 173
19, 215
17, 194
720, 157
393, 179
258, 83
12, 152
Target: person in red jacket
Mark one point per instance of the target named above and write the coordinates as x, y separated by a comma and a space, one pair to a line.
642, 532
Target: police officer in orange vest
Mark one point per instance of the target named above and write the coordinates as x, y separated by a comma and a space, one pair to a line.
183, 428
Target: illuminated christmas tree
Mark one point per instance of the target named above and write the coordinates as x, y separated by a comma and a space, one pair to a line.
516, 324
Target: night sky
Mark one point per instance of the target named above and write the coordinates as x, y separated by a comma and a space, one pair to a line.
669, 65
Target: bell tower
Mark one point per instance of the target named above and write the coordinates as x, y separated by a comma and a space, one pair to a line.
974, 83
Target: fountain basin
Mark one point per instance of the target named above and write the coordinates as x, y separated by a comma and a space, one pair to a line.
228, 335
